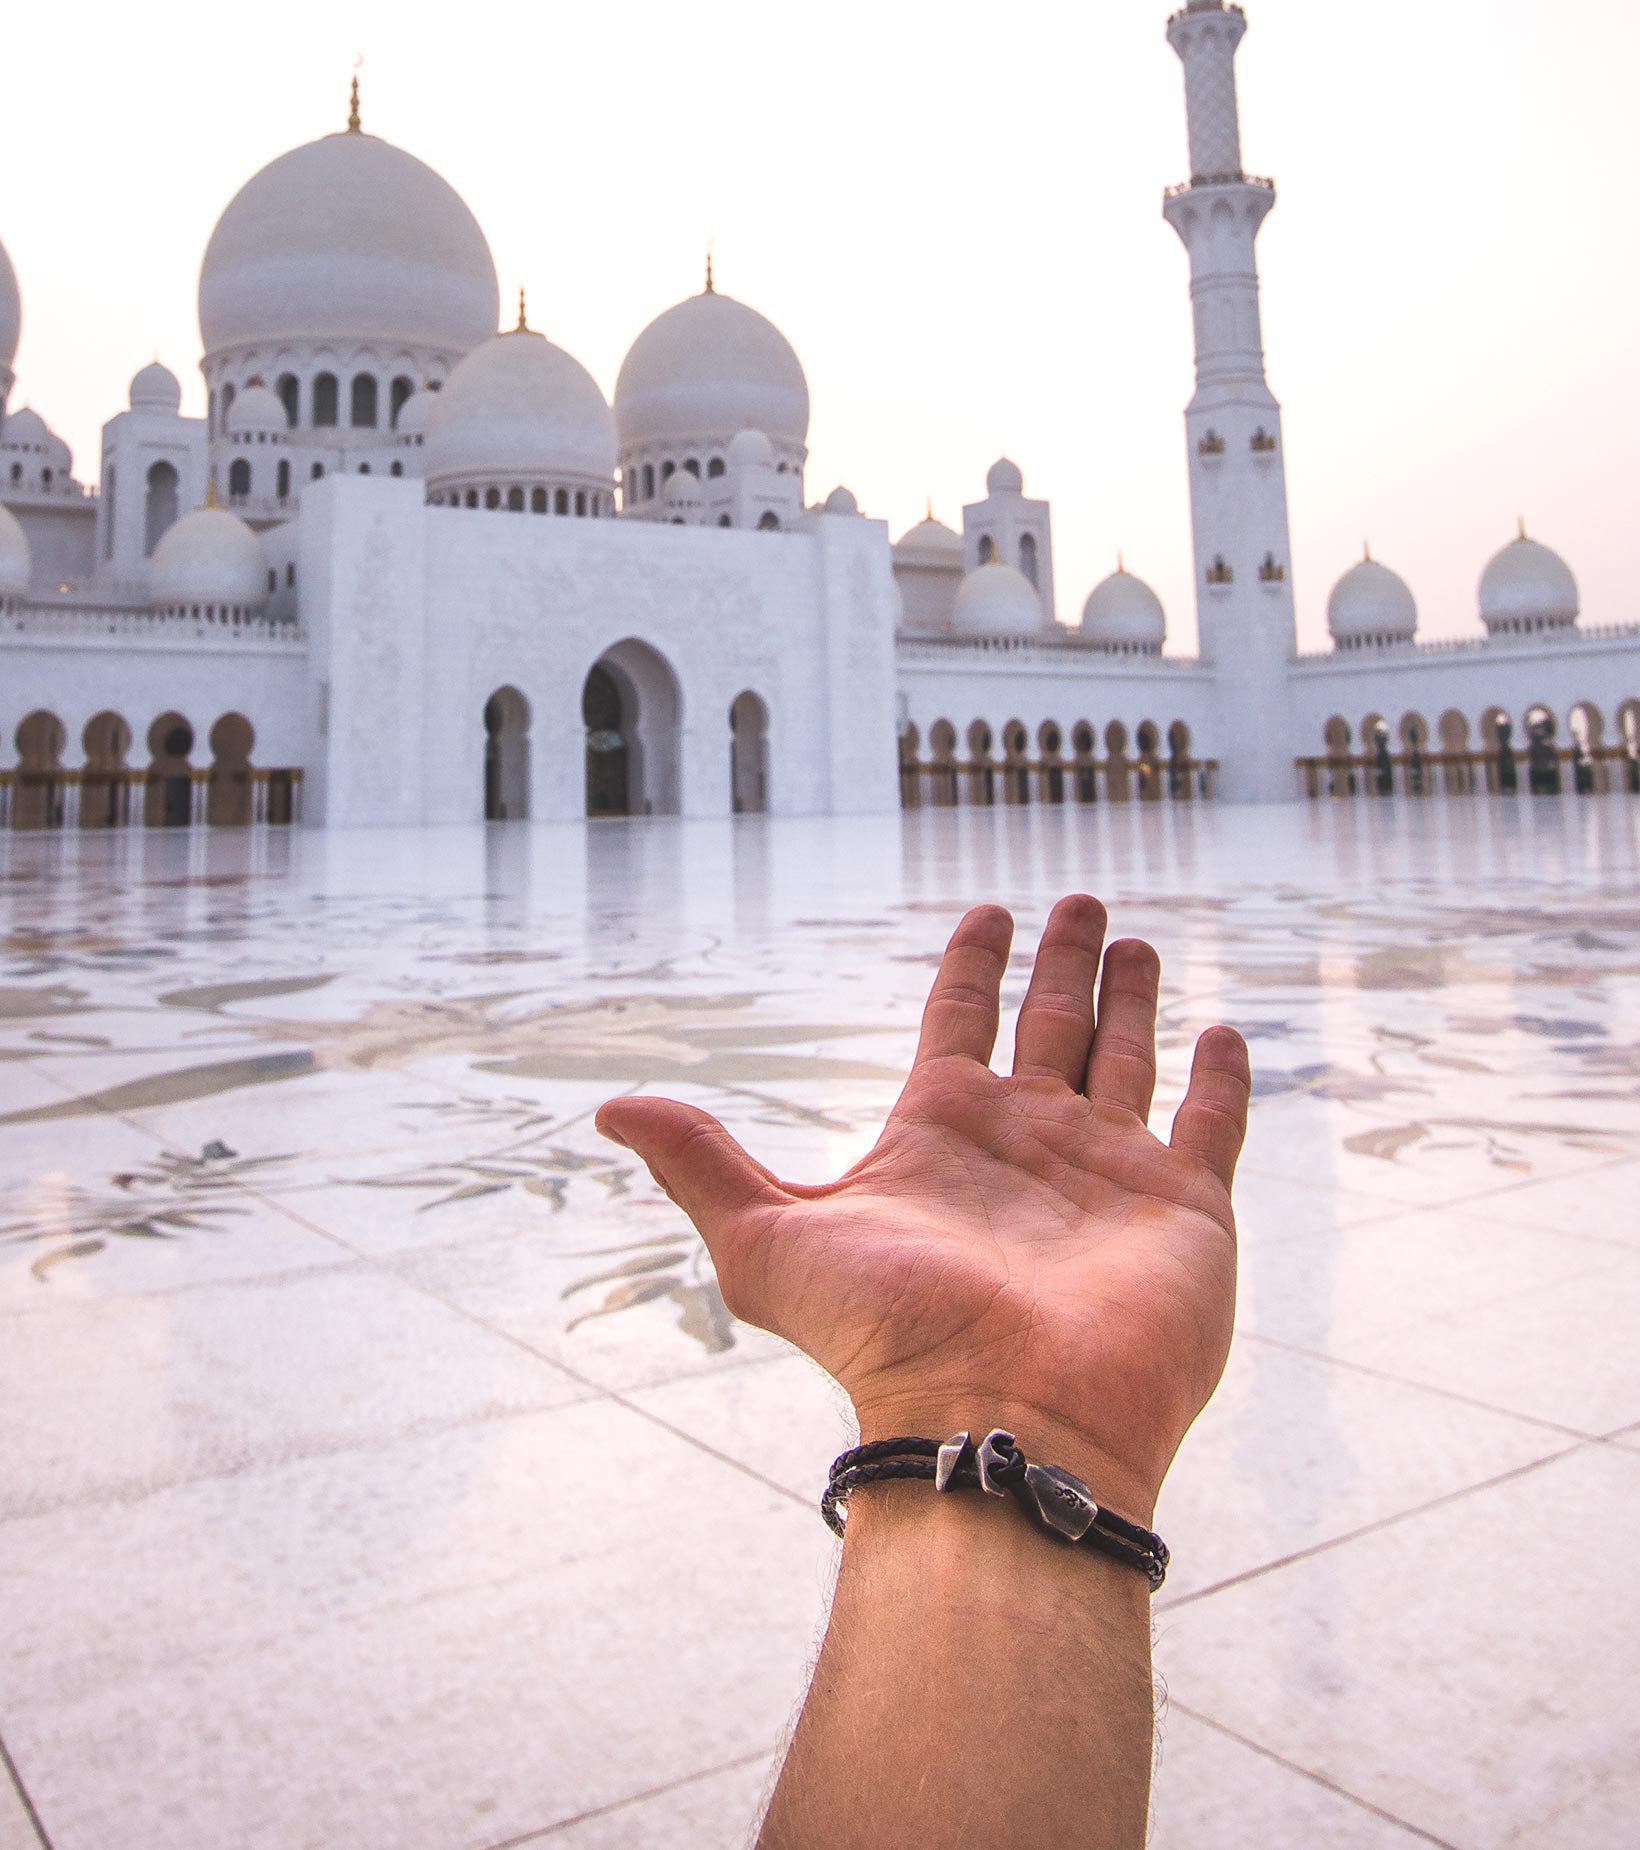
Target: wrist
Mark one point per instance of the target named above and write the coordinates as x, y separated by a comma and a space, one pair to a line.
1047, 1438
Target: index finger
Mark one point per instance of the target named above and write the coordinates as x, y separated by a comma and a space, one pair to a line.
961, 1014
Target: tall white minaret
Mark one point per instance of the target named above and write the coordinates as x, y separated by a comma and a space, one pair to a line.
1238, 479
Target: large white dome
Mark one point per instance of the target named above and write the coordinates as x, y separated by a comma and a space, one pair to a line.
347, 238
208, 558
997, 600
1122, 612
11, 311
1371, 604
519, 409
1527, 586
703, 371
15, 562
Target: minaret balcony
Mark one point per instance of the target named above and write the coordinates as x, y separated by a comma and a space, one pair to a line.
1220, 576
1210, 448
1262, 444
1272, 573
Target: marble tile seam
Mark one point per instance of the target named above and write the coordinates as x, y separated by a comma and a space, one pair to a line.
596, 1390
1575, 1433
1411, 1513
550, 1831
30, 1811
1416, 1831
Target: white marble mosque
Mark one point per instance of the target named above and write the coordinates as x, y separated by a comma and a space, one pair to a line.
316, 602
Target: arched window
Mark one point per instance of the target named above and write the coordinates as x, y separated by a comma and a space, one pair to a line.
160, 503
560, 501
363, 407
648, 481
768, 521
316, 472
396, 469
1027, 556
692, 464
725, 521
668, 470
108, 513
225, 403
211, 424
515, 500
273, 581
580, 501
538, 501
239, 479
45, 478
289, 390
472, 497
715, 468
324, 400
17, 472
492, 497
987, 551
399, 393
364, 468
282, 481
290, 576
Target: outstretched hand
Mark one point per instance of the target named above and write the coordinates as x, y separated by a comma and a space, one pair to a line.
1018, 1251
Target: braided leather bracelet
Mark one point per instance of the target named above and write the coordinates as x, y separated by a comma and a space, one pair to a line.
1054, 1499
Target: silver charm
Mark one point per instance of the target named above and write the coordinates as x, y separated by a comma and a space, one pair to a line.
1063, 1502
950, 1455
996, 1450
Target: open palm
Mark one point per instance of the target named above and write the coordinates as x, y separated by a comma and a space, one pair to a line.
1015, 1251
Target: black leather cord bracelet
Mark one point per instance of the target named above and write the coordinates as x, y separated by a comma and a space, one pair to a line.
1053, 1499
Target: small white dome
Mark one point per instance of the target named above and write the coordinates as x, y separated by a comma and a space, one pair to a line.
749, 449
997, 600
705, 369
347, 238
25, 430
1370, 603
11, 310
59, 455
156, 388
931, 541
1528, 586
209, 557
682, 490
1122, 612
841, 501
1004, 478
415, 414
519, 409
15, 561
257, 411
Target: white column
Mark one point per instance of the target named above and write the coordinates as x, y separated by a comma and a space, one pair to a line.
1236, 452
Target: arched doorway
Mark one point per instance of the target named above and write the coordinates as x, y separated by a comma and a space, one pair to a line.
228, 793
632, 711
38, 802
161, 504
749, 755
103, 801
169, 800
506, 756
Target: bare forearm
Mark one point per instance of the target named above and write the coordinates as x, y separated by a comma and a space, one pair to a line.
979, 1685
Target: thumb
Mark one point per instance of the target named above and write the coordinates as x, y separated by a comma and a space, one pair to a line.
694, 1159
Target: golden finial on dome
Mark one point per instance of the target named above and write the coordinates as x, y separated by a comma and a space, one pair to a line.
929, 515
1522, 521
1366, 552
523, 324
1121, 564
210, 490
710, 288
353, 123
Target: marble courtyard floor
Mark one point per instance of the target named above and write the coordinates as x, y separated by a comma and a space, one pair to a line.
381, 1469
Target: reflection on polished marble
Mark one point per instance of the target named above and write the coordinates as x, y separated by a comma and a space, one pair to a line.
381, 1460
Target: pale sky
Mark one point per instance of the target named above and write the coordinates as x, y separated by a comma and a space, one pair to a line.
953, 213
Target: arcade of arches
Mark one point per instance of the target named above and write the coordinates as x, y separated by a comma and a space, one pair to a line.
1535, 753
1061, 765
172, 785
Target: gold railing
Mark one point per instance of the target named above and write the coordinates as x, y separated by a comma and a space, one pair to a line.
987, 783
124, 796
1465, 773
